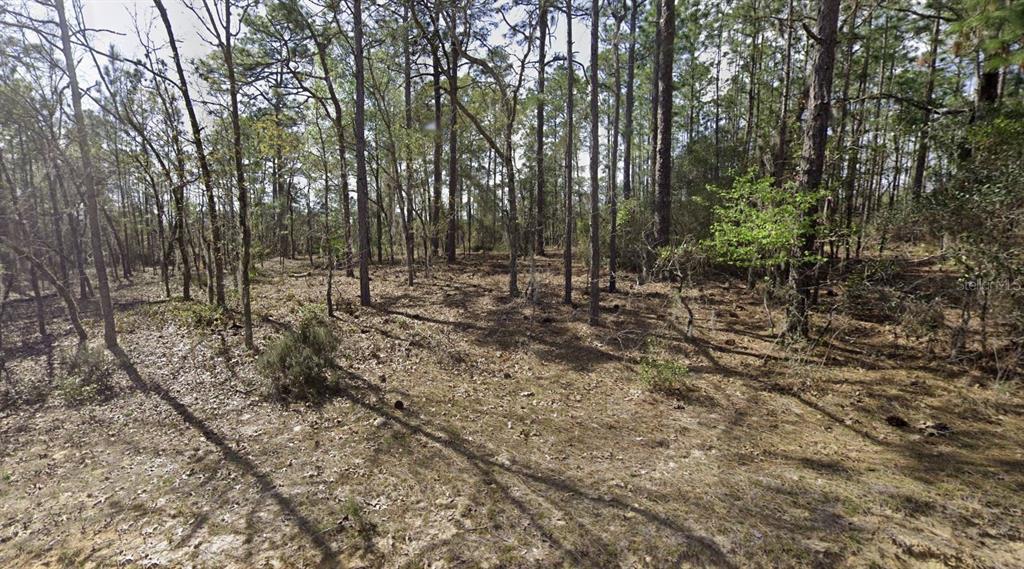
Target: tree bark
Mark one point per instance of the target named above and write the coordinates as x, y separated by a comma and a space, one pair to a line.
243, 192
407, 219
435, 210
627, 131
569, 134
812, 163
613, 168
538, 225
362, 197
782, 138
921, 157
453, 144
663, 149
595, 212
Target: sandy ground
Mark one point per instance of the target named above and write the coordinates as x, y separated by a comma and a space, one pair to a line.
526, 438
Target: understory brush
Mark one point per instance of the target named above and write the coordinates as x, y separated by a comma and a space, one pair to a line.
296, 363
87, 375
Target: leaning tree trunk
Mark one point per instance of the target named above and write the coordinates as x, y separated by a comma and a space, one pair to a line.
91, 208
204, 166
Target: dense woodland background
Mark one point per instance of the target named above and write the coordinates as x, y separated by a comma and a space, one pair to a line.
629, 187
779, 137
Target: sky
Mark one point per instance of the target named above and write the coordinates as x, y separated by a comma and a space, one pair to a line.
120, 16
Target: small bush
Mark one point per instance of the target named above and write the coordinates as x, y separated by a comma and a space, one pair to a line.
869, 300
296, 364
197, 315
757, 224
88, 375
922, 319
661, 376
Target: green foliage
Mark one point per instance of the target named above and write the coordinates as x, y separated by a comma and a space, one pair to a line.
635, 227
683, 261
996, 28
757, 224
198, 315
296, 363
981, 211
662, 376
88, 371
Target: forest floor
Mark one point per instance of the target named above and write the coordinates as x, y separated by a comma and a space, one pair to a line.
526, 439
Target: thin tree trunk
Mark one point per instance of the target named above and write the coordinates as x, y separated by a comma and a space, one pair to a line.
204, 167
595, 212
362, 198
539, 200
454, 198
243, 192
91, 208
407, 219
782, 142
627, 132
613, 168
663, 150
435, 211
569, 134
921, 158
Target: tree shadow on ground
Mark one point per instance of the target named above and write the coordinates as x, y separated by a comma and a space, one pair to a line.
695, 548
266, 484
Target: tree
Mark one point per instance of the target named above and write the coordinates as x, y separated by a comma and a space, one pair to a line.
921, 158
663, 146
819, 109
595, 212
243, 192
538, 225
204, 166
627, 131
613, 197
362, 192
454, 194
89, 181
569, 155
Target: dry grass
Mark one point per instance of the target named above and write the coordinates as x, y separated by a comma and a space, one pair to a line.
526, 438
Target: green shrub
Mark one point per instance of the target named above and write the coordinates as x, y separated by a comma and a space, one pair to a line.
88, 371
296, 364
662, 376
635, 231
757, 224
198, 315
